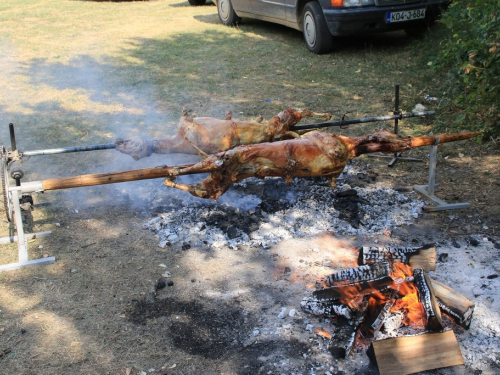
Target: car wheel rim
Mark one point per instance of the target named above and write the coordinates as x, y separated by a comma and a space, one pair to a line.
223, 7
309, 29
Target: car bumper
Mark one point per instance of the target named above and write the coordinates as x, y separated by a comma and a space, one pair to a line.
349, 21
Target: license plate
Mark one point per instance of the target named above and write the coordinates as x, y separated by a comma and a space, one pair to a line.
407, 15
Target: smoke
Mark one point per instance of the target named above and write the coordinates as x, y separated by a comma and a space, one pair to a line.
77, 103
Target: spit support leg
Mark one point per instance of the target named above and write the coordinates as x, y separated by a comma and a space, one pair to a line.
397, 155
428, 190
22, 239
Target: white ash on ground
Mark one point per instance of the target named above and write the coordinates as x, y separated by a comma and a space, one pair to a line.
277, 337
258, 250
265, 212
473, 270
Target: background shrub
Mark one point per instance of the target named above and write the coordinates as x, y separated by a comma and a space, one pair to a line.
472, 56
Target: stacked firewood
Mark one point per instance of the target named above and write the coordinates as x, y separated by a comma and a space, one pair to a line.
360, 300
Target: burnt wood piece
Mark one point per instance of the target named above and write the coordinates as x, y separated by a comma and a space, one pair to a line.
377, 314
346, 294
420, 257
428, 300
368, 272
345, 335
329, 309
412, 354
454, 304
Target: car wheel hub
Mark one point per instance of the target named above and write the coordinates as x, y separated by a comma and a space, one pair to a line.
223, 9
309, 29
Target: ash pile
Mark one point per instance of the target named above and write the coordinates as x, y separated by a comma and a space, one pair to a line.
261, 213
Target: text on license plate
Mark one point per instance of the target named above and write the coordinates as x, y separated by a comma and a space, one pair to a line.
407, 15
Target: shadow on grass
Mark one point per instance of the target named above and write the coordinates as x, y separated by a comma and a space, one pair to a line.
184, 4
377, 41
91, 101
113, 1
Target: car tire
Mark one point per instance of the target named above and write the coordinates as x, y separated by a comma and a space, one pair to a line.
197, 2
226, 12
317, 36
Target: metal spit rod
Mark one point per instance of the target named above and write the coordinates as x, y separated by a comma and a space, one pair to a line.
107, 146
63, 150
362, 120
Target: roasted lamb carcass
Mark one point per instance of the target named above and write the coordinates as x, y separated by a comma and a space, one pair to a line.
312, 155
212, 135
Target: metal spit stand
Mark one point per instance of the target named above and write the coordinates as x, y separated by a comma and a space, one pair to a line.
12, 197
22, 238
397, 116
428, 190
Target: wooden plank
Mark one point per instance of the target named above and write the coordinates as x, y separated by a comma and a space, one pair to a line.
411, 354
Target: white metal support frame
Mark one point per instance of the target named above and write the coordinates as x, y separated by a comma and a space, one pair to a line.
428, 190
22, 238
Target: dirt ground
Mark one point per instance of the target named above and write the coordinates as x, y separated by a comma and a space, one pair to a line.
114, 302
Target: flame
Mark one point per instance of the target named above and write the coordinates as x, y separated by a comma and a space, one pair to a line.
409, 302
323, 333
401, 270
413, 309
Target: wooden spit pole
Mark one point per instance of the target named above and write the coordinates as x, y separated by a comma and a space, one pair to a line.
395, 144
109, 178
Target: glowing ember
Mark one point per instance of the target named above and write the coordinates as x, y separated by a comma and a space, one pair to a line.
323, 333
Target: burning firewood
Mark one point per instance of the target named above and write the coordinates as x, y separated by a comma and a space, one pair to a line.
353, 275
315, 154
428, 299
349, 294
374, 321
328, 309
383, 296
212, 135
345, 335
417, 257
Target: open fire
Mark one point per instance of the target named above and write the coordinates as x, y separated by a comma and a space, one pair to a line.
389, 295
